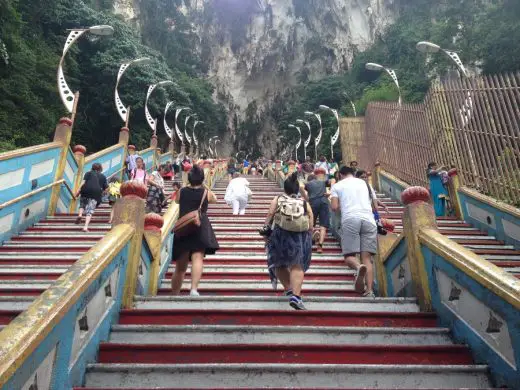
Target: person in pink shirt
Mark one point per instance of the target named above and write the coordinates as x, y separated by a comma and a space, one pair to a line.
139, 173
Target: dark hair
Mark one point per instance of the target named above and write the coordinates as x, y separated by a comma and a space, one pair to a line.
353, 162
431, 165
323, 158
114, 179
344, 171
360, 173
97, 167
311, 177
176, 184
164, 167
196, 176
291, 186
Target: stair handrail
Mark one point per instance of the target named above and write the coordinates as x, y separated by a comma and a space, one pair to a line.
29, 150
101, 153
500, 282
37, 191
30, 330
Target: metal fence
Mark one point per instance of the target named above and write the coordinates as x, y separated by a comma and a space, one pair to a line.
472, 124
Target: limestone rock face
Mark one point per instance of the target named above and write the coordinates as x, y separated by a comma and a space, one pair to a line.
254, 50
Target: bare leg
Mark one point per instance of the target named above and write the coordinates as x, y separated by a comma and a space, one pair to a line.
87, 221
323, 234
181, 265
284, 277
297, 279
353, 262
366, 259
197, 265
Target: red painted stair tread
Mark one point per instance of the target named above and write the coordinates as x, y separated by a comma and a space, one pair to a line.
289, 354
275, 317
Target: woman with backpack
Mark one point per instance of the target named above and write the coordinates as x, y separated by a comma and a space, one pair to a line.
289, 247
91, 190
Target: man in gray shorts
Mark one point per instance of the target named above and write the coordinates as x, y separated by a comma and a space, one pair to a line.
358, 227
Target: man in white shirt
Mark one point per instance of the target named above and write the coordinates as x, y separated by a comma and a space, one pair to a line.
237, 194
323, 164
358, 227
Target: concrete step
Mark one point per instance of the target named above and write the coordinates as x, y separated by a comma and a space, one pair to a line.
230, 334
15, 303
263, 284
270, 302
305, 376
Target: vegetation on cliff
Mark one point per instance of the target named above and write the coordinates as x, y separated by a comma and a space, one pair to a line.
32, 34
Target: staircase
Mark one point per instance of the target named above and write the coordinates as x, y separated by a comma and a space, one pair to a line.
31, 261
242, 334
496, 251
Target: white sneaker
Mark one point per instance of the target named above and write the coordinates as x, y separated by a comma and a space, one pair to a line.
194, 293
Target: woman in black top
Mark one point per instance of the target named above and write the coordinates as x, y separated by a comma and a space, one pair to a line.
203, 242
91, 190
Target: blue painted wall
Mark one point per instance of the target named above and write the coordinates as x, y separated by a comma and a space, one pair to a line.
394, 260
391, 188
112, 162
66, 373
490, 219
503, 373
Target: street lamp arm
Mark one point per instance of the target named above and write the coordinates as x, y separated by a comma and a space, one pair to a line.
122, 110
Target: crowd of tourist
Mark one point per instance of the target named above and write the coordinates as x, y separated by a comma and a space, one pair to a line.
319, 199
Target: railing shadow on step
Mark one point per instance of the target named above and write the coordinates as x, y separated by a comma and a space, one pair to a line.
477, 300
50, 343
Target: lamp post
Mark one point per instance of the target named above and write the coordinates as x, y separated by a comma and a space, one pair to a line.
177, 130
317, 140
308, 140
298, 144
67, 97
124, 111
380, 68
213, 152
153, 122
195, 140
186, 135
335, 137
305, 143
351, 104
467, 107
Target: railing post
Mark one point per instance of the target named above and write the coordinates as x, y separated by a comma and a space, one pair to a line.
130, 210
79, 155
418, 214
376, 177
171, 150
62, 134
152, 234
453, 189
124, 138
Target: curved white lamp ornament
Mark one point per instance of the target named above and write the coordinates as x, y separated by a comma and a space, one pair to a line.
335, 137
298, 144
317, 140
66, 95
194, 135
152, 122
466, 110
122, 110
186, 135
380, 68
308, 140
167, 128
177, 130
351, 104
305, 144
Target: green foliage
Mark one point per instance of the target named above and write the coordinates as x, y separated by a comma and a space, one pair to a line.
34, 33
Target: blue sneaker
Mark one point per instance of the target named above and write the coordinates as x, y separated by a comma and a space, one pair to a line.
297, 303
289, 293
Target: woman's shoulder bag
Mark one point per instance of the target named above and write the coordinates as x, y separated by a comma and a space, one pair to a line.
189, 223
